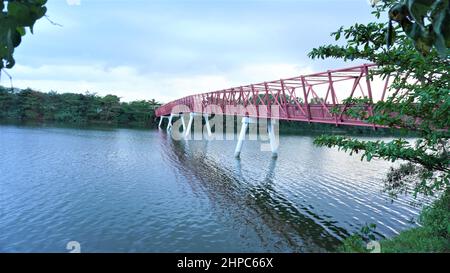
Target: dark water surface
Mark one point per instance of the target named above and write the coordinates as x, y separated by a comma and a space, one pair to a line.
140, 191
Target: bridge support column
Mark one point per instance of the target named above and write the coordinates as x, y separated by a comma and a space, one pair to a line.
188, 129
245, 122
169, 124
183, 123
274, 143
160, 121
208, 127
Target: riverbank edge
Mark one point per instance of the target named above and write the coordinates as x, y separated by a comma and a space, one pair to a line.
285, 128
433, 236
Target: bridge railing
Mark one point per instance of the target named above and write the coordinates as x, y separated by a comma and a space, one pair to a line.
316, 97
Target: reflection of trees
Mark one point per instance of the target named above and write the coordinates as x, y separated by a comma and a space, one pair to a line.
259, 206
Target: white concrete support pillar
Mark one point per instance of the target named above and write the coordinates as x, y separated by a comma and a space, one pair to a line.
183, 123
244, 127
188, 129
169, 124
274, 142
208, 127
160, 122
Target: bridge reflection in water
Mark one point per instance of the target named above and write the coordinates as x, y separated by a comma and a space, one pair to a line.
298, 205
272, 217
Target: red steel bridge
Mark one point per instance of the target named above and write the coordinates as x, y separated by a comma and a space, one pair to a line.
297, 98
313, 98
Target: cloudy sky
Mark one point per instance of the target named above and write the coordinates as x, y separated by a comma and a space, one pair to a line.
165, 49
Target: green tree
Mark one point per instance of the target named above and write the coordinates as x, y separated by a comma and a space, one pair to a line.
78, 109
426, 22
6, 103
420, 101
317, 100
29, 105
110, 108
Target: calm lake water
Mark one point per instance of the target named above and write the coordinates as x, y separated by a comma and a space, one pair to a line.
140, 191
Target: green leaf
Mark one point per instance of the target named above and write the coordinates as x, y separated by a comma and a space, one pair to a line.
418, 9
19, 11
41, 2
21, 30
390, 34
441, 22
338, 35
13, 21
16, 38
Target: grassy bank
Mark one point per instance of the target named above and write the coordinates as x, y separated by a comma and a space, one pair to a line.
432, 236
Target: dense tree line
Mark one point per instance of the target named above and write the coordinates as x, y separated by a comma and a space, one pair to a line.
28, 105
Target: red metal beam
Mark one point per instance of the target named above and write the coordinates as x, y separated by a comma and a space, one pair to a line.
283, 93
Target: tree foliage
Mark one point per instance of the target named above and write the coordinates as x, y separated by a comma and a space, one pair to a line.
426, 22
15, 17
80, 109
419, 100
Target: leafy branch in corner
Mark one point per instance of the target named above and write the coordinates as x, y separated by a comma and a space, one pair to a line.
419, 97
15, 17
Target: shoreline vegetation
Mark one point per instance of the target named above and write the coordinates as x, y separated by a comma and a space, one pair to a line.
27, 106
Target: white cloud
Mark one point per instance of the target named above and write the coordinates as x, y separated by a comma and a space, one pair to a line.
131, 84
73, 2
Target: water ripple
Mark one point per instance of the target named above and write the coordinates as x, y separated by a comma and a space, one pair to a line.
140, 191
